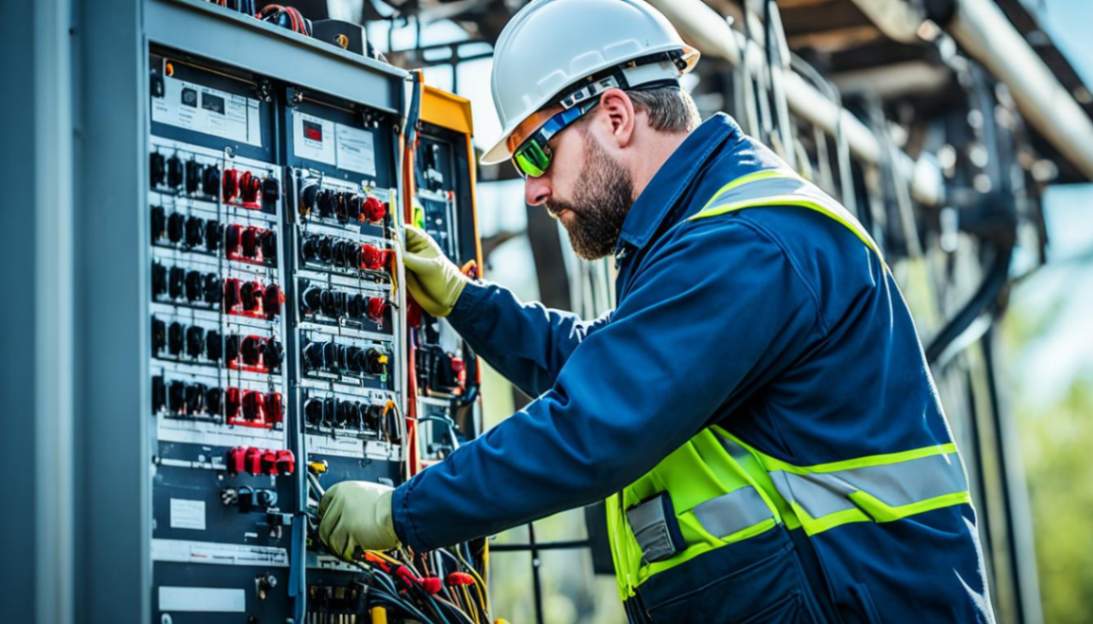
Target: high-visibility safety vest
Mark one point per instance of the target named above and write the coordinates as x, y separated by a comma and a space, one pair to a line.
717, 490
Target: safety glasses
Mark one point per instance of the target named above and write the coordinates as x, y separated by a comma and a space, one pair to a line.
533, 157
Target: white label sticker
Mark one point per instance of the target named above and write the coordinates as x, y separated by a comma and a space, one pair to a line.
313, 138
187, 514
202, 599
210, 111
186, 551
356, 150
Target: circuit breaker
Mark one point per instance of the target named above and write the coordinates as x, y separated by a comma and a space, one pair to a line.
284, 353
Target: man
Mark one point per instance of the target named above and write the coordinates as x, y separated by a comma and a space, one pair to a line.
757, 409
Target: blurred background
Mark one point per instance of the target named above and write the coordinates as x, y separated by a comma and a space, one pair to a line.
960, 132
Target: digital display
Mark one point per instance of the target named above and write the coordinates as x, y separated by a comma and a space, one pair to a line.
213, 103
313, 131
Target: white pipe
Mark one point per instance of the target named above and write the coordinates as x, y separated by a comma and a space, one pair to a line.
986, 34
711, 34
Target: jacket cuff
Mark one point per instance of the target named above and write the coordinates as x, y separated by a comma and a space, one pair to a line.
401, 518
465, 312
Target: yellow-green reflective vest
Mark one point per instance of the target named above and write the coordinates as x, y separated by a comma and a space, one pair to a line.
720, 490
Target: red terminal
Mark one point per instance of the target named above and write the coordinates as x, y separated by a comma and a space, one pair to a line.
372, 258
377, 307
254, 460
254, 406
231, 185
252, 294
373, 210
432, 585
250, 186
286, 462
237, 460
232, 403
459, 578
269, 462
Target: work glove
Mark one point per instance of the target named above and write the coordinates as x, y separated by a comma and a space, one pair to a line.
357, 515
434, 280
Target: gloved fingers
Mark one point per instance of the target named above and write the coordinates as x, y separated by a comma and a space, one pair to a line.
417, 291
328, 497
417, 240
329, 520
418, 263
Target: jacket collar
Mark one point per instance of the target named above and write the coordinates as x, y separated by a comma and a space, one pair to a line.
674, 177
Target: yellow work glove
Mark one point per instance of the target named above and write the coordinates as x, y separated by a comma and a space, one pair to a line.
434, 280
357, 514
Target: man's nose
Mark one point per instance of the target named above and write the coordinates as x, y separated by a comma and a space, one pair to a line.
537, 190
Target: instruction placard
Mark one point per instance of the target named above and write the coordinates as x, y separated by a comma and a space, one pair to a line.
211, 111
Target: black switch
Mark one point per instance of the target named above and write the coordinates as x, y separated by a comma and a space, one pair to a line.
214, 346
376, 362
355, 360
311, 299
174, 172
250, 349
159, 279
251, 293
158, 222
330, 408
330, 356
310, 248
213, 233
159, 335
333, 303
159, 393
175, 279
157, 169
176, 396
249, 242
326, 200
313, 355
353, 206
347, 412
308, 198
214, 401
195, 398
194, 286
273, 354
195, 231
267, 240
174, 338
326, 249
357, 306
176, 227
271, 300
212, 293
193, 176
313, 412
341, 206
195, 341
271, 191
231, 347
210, 180
342, 254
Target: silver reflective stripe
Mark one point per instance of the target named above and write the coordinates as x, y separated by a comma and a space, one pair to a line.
895, 485
732, 512
795, 186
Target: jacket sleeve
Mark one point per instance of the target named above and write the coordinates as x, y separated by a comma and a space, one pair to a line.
525, 342
712, 313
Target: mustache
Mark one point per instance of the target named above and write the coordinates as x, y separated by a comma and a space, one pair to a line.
555, 208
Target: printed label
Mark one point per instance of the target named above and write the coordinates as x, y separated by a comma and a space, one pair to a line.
187, 514
209, 111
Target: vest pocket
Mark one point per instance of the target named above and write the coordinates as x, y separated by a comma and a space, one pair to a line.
757, 580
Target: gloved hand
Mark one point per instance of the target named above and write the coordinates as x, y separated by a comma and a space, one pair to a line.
356, 514
434, 280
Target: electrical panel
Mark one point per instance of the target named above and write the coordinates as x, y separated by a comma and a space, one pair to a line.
284, 353
446, 373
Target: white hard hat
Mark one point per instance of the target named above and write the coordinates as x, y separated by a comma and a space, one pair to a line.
554, 46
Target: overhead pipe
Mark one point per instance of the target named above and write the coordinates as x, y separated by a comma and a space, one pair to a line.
981, 28
702, 27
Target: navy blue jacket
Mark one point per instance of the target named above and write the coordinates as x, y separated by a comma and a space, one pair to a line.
777, 323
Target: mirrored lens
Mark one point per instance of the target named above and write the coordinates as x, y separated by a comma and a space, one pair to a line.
531, 159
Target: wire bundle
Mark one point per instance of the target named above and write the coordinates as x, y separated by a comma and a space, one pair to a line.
285, 17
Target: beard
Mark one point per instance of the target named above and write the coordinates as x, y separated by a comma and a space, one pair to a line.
601, 201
